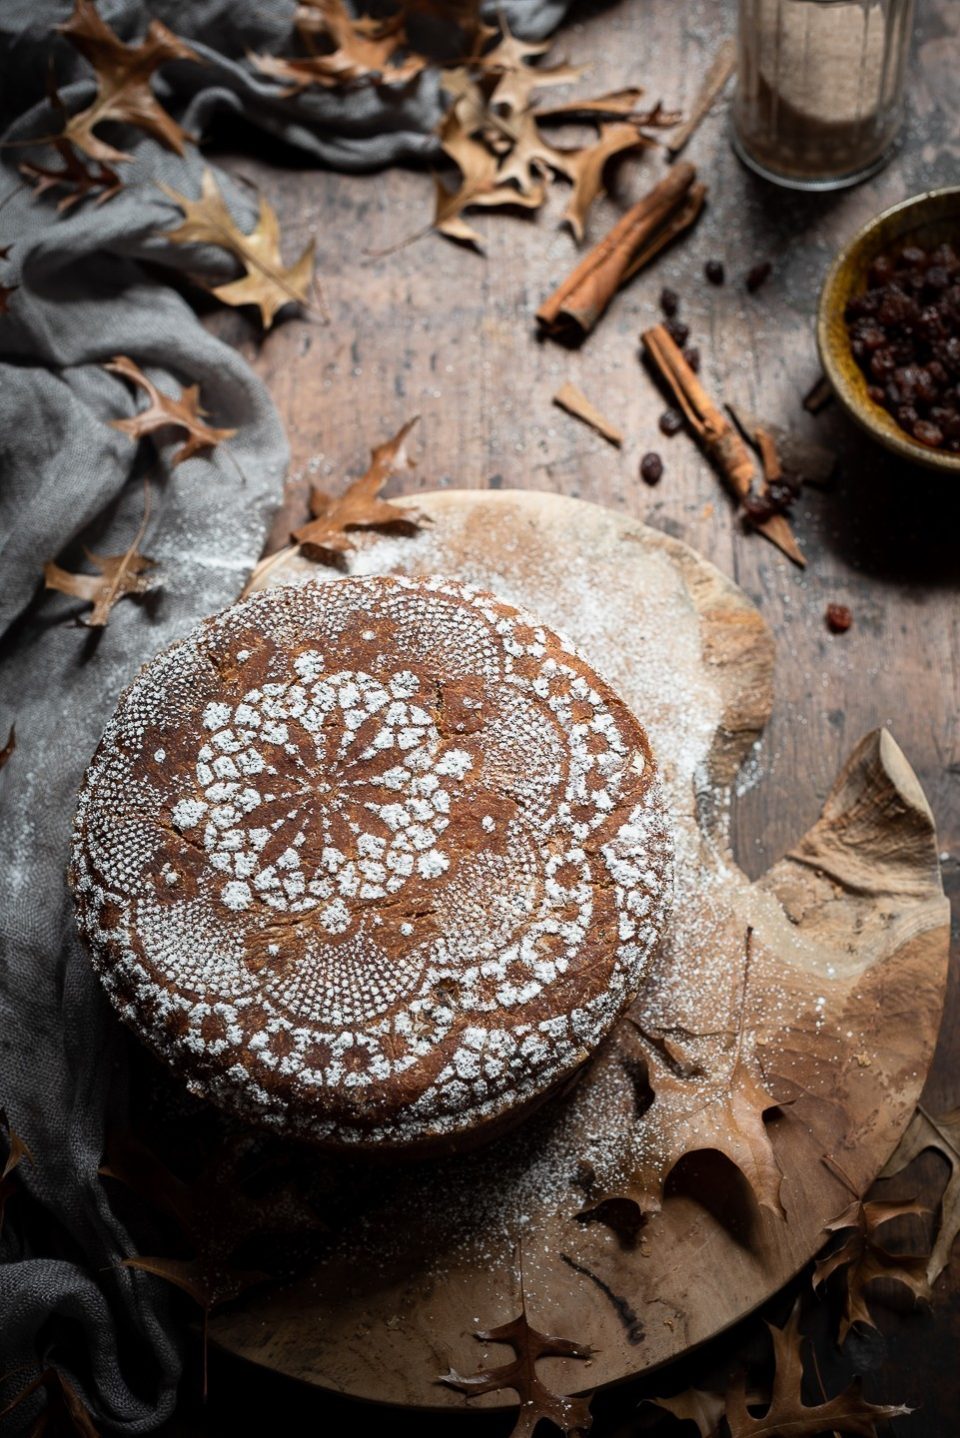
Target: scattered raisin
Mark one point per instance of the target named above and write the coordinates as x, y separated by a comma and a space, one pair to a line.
714, 272
838, 618
692, 356
671, 421
651, 468
759, 275
678, 332
669, 302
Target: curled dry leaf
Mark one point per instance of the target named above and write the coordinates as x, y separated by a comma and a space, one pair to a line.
166, 411
65, 1411
17, 1151
571, 1416
787, 1414
123, 74
267, 283
480, 187
76, 177
327, 533
212, 1214
615, 105
120, 575
697, 1406
942, 1134
359, 50
586, 169
865, 1259
360, 506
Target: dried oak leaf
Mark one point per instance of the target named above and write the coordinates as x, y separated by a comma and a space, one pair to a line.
166, 411
123, 83
481, 186
941, 1133
213, 1215
360, 506
585, 167
361, 50
787, 1415
615, 105
537, 1403
17, 1150
78, 178
865, 1259
517, 80
695, 1405
120, 575
722, 1111
64, 1411
267, 283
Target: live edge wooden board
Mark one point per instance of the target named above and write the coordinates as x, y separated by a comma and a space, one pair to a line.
820, 985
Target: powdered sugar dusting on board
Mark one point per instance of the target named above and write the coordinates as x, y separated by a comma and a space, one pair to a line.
374, 862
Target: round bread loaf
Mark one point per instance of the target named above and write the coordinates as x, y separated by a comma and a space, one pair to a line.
377, 862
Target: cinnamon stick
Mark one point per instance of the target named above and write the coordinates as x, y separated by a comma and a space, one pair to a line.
669, 208
717, 435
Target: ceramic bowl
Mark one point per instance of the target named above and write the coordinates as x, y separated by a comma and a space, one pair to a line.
929, 219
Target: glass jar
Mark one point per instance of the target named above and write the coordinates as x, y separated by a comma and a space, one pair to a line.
820, 88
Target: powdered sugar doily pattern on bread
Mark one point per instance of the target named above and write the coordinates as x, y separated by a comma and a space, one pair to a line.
377, 862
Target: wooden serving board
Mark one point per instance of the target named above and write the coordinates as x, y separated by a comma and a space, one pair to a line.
821, 984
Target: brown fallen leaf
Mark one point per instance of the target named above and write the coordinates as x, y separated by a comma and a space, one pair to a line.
360, 506
586, 169
212, 1214
787, 1416
120, 575
78, 178
697, 1406
166, 411
517, 80
361, 50
723, 65
64, 1412
571, 1416
123, 75
17, 1150
9, 747
692, 1111
326, 535
267, 283
480, 187
571, 399
940, 1132
865, 1259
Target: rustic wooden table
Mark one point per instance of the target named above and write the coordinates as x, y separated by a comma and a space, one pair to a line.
444, 333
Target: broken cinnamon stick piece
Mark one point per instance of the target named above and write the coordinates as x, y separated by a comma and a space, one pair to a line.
724, 64
670, 207
571, 399
716, 434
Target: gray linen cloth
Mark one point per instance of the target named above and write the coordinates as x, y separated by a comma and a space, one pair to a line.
82, 297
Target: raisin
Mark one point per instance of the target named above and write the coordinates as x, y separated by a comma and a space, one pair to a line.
929, 434
671, 421
651, 468
759, 275
715, 272
838, 618
692, 356
669, 302
678, 332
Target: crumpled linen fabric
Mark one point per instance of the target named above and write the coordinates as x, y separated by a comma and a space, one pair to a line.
83, 296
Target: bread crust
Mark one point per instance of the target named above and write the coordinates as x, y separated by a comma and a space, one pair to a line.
377, 862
